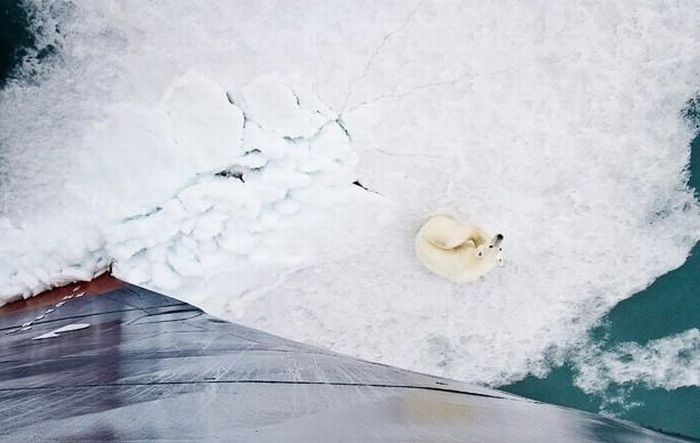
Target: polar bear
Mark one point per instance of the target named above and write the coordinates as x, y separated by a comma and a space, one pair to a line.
457, 251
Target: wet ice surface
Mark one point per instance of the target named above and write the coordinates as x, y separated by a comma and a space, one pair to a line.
216, 163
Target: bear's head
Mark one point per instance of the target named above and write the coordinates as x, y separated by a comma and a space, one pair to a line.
491, 251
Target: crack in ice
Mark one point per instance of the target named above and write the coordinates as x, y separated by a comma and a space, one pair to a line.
385, 40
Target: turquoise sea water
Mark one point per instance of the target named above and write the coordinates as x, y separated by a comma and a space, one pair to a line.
671, 305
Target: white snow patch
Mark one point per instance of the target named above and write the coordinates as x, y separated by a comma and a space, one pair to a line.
57, 332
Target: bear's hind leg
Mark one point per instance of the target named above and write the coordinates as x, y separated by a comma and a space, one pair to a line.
446, 233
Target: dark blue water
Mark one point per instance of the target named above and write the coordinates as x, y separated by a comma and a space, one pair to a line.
19, 46
15, 37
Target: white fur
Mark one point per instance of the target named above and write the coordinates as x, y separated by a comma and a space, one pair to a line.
458, 251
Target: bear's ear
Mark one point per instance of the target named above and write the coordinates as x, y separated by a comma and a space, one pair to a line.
470, 243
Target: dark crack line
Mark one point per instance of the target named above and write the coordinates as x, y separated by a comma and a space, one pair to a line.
358, 184
377, 51
296, 98
153, 211
341, 124
460, 78
231, 173
270, 382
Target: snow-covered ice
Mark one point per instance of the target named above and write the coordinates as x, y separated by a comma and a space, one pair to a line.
211, 153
